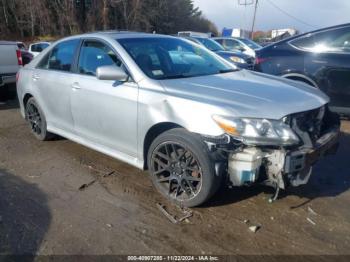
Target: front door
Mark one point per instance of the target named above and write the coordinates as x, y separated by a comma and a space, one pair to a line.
104, 112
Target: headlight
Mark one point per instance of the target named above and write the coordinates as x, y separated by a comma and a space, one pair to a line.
258, 131
237, 59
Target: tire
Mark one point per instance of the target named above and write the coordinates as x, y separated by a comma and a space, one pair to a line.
181, 168
37, 121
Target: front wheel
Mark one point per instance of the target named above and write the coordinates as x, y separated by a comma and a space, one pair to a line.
181, 168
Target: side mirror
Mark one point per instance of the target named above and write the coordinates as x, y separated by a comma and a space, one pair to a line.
111, 72
242, 49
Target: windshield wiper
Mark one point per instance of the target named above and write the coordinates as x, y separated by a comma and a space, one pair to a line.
228, 70
175, 76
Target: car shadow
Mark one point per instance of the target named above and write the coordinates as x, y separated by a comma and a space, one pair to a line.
24, 217
330, 178
8, 98
9, 104
8, 93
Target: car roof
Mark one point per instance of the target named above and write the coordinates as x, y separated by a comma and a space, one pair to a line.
124, 34
43, 42
310, 32
8, 43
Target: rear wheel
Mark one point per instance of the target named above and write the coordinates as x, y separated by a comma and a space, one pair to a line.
181, 168
37, 121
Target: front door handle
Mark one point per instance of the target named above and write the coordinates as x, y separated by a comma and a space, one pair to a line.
76, 86
36, 77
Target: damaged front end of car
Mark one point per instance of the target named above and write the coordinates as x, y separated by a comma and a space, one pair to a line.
275, 153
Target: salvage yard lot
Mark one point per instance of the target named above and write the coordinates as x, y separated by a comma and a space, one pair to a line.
43, 211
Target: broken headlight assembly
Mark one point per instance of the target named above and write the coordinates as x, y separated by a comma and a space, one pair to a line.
252, 131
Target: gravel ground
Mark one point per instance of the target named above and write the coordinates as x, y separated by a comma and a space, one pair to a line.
42, 210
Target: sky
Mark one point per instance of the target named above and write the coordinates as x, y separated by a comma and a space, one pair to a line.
307, 14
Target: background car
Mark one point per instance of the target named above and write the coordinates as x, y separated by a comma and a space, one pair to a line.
26, 56
21, 46
37, 48
10, 63
320, 58
238, 58
243, 45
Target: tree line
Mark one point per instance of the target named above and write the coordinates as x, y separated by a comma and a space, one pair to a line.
33, 18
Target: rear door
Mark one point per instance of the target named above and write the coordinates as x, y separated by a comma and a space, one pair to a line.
104, 112
52, 79
328, 60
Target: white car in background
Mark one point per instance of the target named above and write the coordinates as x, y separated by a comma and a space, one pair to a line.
37, 48
246, 46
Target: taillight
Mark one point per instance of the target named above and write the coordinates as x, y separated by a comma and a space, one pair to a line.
260, 60
19, 57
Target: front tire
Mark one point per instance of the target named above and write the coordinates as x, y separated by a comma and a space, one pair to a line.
181, 168
37, 121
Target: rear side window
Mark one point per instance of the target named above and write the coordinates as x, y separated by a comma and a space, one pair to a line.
61, 56
336, 40
94, 54
33, 48
38, 47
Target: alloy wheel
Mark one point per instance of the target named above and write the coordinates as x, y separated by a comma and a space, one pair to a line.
176, 171
34, 118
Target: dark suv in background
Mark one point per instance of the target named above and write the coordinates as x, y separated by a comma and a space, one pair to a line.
236, 57
320, 58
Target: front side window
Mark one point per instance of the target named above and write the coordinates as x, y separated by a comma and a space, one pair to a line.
94, 54
61, 56
169, 58
336, 40
250, 43
233, 44
42, 46
211, 44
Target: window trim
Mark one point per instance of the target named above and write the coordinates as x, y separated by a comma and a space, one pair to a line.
290, 42
48, 54
96, 39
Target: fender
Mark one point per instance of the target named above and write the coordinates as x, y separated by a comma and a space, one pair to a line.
302, 76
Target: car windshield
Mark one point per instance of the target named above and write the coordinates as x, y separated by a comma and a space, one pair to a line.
170, 58
250, 43
210, 44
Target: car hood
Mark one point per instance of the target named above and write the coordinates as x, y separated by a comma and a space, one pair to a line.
249, 94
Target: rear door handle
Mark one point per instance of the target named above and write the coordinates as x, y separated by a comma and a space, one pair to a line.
76, 86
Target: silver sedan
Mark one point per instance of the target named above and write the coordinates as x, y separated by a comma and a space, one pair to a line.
170, 106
